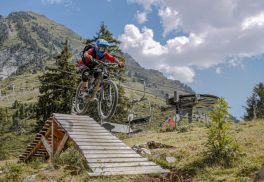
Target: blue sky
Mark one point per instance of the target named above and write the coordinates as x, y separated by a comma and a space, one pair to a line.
214, 47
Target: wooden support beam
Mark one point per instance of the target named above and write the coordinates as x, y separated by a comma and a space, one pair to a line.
61, 145
47, 145
52, 141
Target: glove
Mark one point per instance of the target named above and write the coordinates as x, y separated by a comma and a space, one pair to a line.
87, 57
121, 64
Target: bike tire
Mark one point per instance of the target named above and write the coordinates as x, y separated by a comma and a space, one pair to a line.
77, 108
111, 112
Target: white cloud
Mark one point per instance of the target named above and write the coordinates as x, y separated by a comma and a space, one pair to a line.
215, 32
253, 21
169, 19
151, 54
141, 17
182, 73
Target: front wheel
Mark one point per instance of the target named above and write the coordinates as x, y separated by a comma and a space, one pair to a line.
80, 104
108, 99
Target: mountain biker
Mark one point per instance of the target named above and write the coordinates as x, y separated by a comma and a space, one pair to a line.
99, 52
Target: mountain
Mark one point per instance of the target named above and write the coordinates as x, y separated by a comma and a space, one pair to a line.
155, 80
28, 39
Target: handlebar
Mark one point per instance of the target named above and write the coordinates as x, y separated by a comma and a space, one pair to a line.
104, 63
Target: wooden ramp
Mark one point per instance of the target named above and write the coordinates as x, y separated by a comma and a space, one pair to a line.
105, 153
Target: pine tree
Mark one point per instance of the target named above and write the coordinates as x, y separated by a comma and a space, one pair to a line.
221, 147
57, 88
255, 103
116, 75
259, 90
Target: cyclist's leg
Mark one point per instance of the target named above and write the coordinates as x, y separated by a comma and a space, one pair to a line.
97, 83
84, 70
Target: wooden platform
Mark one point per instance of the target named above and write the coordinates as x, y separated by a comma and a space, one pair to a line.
105, 154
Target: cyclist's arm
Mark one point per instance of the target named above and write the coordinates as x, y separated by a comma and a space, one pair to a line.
111, 58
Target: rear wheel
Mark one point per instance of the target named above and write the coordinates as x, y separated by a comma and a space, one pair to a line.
80, 103
107, 100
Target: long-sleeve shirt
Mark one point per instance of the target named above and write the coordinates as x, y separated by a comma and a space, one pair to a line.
91, 52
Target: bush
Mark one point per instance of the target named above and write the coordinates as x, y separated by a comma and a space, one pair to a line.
183, 126
72, 158
13, 171
221, 148
247, 168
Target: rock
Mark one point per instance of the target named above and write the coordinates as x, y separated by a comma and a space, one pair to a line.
260, 173
170, 159
145, 151
154, 145
30, 178
140, 149
157, 155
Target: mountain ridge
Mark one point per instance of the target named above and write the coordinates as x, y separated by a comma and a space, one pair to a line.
28, 38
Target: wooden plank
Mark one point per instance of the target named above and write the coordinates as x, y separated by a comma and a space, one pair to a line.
122, 164
72, 116
88, 130
93, 137
82, 127
111, 160
108, 151
101, 144
73, 122
128, 172
77, 120
131, 168
97, 140
82, 147
61, 145
89, 134
79, 125
96, 156
47, 145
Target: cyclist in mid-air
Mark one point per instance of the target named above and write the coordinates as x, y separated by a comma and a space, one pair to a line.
86, 65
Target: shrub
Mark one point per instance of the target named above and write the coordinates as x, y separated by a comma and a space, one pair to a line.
72, 158
221, 148
13, 171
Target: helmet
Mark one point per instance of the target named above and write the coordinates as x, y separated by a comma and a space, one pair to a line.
101, 47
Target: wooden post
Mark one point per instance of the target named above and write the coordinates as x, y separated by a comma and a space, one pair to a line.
61, 145
46, 145
52, 141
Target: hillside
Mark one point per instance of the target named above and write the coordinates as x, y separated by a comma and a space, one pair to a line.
28, 40
188, 149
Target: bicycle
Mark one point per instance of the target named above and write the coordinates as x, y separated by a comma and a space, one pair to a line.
106, 96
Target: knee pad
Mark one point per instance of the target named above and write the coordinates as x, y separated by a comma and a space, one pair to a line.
85, 76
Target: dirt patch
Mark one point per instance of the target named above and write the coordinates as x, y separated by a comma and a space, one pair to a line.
173, 176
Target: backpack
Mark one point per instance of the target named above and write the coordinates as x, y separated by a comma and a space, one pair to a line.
87, 47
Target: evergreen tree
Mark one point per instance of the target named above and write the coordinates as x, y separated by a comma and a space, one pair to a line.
57, 88
221, 148
255, 103
3, 119
116, 75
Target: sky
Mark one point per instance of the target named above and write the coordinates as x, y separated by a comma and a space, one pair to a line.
215, 47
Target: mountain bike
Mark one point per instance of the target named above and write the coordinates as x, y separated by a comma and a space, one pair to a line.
106, 96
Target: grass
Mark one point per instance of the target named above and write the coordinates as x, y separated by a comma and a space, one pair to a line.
189, 146
26, 89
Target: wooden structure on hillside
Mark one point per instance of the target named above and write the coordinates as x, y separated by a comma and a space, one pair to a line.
105, 154
186, 103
